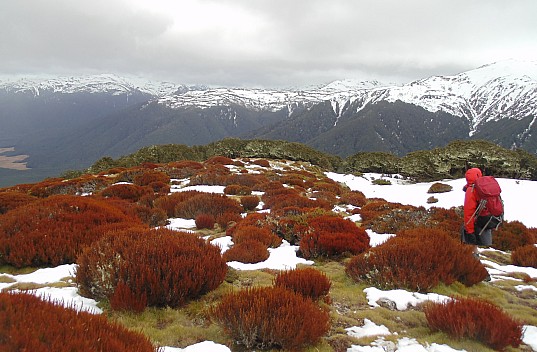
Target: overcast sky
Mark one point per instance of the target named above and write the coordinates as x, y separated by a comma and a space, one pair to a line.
264, 43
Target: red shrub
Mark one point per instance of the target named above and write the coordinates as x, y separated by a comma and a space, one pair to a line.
124, 299
261, 162
475, 319
375, 208
328, 186
355, 198
511, 235
28, 323
169, 202
151, 176
271, 317
417, 259
245, 233
293, 180
11, 200
210, 203
226, 219
129, 192
248, 251
160, 187
333, 244
270, 186
284, 201
183, 169
525, 256
205, 221
52, 186
308, 282
237, 190
213, 175
327, 196
334, 223
249, 202
248, 180
53, 231
222, 160
168, 267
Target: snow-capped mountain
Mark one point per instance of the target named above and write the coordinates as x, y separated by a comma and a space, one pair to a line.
492, 92
69, 122
102, 83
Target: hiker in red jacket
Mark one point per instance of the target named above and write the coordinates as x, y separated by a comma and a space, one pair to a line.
473, 234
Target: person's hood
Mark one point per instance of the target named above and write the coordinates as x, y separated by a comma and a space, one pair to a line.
472, 175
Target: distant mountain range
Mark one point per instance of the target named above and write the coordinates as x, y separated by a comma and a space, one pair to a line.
69, 122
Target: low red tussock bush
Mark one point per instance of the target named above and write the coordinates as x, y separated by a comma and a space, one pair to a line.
209, 203
129, 192
28, 323
237, 190
168, 267
248, 180
334, 223
53, 230
327, 196
355, 198
325, 185
11, 200
169, 202
271, 317
123, 299
249, 202
308, 282
205, 221
215, 174
525, 256
333, 244
247, 251
183, 169
245, 233
160, 187
511, 235
261, 162
151, 176
475, 319
226, 219
54, 186
375, 208
417, 259
222, 160
283, 201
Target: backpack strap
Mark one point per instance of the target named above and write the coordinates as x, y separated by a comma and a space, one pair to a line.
480, 206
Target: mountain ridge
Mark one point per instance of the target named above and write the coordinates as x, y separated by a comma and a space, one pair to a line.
68, 123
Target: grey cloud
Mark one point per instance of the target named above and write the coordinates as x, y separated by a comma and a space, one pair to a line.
296, 42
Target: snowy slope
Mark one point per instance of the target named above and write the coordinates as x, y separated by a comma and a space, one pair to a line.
506, 89
103, 83
501, 90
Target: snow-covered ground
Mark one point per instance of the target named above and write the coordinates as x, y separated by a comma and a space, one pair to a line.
515, 195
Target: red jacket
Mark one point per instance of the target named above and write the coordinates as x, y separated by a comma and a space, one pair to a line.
470, 199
